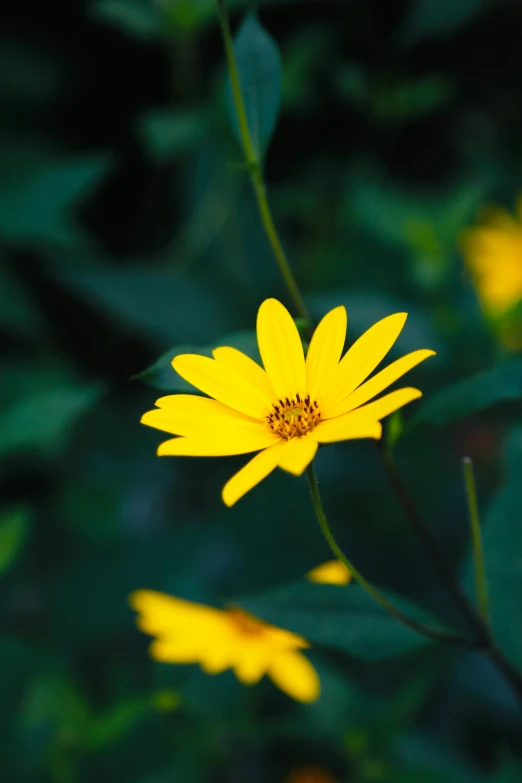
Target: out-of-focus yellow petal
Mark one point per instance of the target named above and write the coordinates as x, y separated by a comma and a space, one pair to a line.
333, 572
224, 384
361, 359
254, 471
243, 365
295, 675
351, 426
297, 454
379, 382
186, 414
281, 349
252, 665
165, 615
324, 352
214, 445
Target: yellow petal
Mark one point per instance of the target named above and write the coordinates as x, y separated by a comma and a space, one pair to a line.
235, 442
324, 352
348, 427
161, 614
281, 349
221, 382
380, 382
243, 365
174, 650
295, 675
252, 664
254, 471
296, 455
363, 422
333, 572
362, 358
385, 405
186, 414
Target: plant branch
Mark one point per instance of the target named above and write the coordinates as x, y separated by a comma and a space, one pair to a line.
481, 588
253, 164
377, 596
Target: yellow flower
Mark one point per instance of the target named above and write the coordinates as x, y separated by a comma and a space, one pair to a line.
287, 409
493, 253
332, 572
220, 639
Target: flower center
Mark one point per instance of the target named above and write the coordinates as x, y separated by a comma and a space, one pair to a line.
245, 623
294, 418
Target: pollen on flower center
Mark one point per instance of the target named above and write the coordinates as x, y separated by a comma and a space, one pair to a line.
244, 622
293, 418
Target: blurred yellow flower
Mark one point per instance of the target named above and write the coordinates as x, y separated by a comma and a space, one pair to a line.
219, 639
333, 572
493, 253
310, 775
287, 409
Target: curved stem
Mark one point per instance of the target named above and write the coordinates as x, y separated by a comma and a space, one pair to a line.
481, 588
377, 596
253, 164
484, 642
432, 546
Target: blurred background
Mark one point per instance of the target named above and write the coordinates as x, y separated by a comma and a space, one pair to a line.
128, 232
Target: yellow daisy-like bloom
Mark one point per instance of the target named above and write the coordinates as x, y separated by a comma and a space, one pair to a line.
219, 639
493, 253
287, 409
332, 572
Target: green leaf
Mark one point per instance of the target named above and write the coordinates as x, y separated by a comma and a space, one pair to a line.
473, 394
14, 526
157, 304
43, 421
139, 18
345, 618
40, 204
436, 18
168, 134
162, 374
503, 556
260, 76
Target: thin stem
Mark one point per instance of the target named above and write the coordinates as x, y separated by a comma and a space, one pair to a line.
254, 166
484, 642
377, 596
481, 587
432, 546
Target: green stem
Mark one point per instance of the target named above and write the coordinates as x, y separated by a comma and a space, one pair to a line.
254, 166
481, 588
438, 556
377, 596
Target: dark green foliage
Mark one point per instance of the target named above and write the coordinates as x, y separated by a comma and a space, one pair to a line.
128, 235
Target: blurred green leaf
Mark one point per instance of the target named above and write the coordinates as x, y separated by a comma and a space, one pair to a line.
510, 772
162, 375
503, 558
139, 18
108, 727
170, 133
40, 203
345, 618
435, 18
44, 420
14, 526
158, 304
259, 66
473, 394
18, 312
